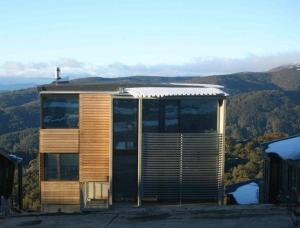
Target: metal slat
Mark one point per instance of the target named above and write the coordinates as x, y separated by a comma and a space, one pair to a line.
182, 166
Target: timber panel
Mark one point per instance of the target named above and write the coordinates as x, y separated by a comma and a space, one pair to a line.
60, 192
95, 131
41, 166
59, 141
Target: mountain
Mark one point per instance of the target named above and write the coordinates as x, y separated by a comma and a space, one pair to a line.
259, 102
10, 83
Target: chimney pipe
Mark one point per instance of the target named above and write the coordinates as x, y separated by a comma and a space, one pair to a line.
57, 76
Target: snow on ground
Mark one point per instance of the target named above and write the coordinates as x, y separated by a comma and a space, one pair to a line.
247, 194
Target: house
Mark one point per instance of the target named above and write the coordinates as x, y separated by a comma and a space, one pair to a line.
105, 144
282, 170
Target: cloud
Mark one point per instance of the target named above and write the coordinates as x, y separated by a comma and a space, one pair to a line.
196, 67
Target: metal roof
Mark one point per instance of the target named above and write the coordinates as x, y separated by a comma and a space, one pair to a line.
138, 89
148, 92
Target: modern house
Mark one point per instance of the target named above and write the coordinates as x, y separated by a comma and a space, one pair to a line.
282, 170
104, 144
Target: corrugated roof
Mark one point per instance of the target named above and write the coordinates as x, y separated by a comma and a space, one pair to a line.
174, 91
198, 85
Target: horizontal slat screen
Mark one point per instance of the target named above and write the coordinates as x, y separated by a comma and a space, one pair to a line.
182, 167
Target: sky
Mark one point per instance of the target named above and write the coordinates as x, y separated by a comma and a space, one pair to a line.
141, 37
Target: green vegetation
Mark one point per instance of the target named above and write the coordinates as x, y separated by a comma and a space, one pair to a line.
244, 160
262, 106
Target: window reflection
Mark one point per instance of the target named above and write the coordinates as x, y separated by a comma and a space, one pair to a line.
171, 118
125, 124
60, 111
184, 115
61, 166
150, 115
198, 115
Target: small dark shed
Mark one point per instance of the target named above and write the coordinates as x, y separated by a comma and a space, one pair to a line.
282, 170
9, 164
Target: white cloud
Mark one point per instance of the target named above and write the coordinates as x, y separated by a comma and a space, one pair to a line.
198, 66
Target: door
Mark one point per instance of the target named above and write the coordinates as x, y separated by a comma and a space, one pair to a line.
125, 129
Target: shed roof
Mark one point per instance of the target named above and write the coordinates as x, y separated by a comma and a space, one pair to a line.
287, 148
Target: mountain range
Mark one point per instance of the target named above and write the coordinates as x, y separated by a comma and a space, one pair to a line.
259, 103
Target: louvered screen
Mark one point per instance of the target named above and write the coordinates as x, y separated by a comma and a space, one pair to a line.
182, 167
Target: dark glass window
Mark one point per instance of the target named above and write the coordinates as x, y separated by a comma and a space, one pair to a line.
69, 167
51, 166
125, 124
61, 166
151, 115
60, 111
171, 115
125, 127
198, 115
185, 115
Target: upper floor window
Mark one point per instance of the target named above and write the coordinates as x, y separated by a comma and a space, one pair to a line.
125, 115
182, 115
198, 115
60, 111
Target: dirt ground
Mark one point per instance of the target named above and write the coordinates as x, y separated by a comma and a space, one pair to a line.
186, 216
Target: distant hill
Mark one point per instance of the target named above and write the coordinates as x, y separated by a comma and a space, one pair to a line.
259, 102
10, 83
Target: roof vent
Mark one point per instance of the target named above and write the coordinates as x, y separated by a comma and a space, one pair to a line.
59, 79
122, 90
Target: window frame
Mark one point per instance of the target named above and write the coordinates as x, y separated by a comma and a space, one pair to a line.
162, 102
43, 96
59, 167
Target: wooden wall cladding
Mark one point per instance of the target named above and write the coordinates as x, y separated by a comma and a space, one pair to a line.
59, 140
60, 192
41, 166
95, 131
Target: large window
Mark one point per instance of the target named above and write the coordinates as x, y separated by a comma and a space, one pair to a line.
151, 116
184, 115
198, 115
61, 166
125, 127
60, 111
125, 124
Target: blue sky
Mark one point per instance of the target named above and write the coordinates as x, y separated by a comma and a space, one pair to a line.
147, 37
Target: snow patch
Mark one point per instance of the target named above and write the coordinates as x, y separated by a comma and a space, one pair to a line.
247, 194
286, 149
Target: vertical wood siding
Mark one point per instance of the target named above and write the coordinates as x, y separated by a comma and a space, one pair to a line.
95, 129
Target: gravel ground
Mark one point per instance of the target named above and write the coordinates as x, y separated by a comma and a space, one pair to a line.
187, 216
